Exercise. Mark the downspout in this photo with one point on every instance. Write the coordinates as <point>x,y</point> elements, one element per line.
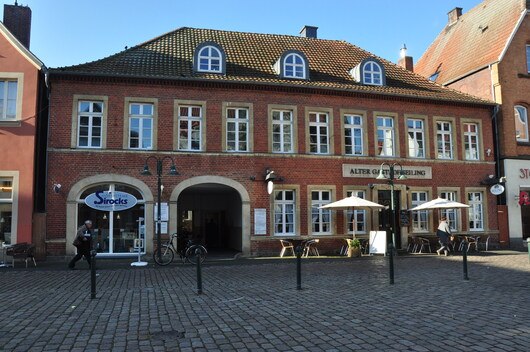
<point>498,167</point>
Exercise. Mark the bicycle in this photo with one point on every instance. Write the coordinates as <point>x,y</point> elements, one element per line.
<point>193,253</point>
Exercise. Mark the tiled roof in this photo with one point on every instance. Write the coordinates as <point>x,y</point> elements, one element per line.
<point>250,58</point>
<point>476,40</point>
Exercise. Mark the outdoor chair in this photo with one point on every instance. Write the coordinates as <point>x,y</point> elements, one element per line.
<point>285,246</point>
<point>424,243</point>
<point>311,248</point>
<point>22,250</point>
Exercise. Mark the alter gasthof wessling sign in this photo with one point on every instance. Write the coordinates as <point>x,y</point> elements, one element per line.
<point>371,171</point>
<point>110,201</point>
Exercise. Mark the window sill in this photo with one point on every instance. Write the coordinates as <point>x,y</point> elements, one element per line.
<point>15,123</point>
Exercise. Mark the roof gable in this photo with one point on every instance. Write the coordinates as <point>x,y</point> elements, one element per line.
<point>20,48</point>
<point>250,58</point>
<point>477,39</point>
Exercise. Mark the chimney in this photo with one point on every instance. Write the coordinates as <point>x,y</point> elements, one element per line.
<point>454,15</point>
<point>309,32</point>
<point>18,20</point>
<point>405,61</point>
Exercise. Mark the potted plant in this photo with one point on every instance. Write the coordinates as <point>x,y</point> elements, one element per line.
<point>354,248</point>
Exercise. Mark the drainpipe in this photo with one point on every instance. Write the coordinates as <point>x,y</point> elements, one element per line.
<point>498,166</point>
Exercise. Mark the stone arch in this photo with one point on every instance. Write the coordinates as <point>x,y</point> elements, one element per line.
<point>81,185</point>
<point>238,187</point>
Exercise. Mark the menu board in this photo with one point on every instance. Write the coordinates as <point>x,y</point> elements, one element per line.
<point>378,242</point>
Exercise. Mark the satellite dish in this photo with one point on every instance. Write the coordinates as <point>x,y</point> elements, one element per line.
<point>497,189</point>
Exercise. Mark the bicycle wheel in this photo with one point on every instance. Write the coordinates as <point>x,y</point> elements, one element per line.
<point>166,255</point>
<point>196,253</point>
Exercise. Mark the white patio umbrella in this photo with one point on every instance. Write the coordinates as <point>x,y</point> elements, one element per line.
<point>351,202</point>
<point>439,203</point>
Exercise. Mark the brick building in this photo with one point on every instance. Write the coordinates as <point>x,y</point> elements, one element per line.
<point>23,121</point>
<point>228,108</point>
<point>486,52</point>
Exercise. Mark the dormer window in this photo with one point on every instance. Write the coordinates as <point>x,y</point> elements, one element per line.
<point>209,57</point>
<point>292,64</point>
<point>369,71</point>
<point>372,73</point>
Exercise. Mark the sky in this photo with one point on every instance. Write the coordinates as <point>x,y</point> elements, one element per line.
<point>71,32</point>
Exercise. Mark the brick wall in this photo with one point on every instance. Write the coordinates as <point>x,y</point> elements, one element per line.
<point>67,166</point>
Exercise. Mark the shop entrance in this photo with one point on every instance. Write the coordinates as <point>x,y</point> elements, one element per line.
<point>210,214</point>
<point>385,215</point>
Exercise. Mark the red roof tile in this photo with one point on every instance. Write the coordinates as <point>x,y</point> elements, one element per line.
<point>476,40</point>
<point>250,58</point>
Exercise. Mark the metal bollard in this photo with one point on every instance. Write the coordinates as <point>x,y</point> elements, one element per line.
<point>528,246</point>
<point>299,267</point>
<point>93,274</point>
<point>464,259</point>
<point>198,253</point>
<point>391,263</point>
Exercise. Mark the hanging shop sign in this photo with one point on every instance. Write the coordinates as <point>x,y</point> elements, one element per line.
<point>110,201</point>
<point>497,189</point>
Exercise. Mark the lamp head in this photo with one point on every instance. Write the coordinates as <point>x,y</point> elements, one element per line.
<point>381,175</point>
<point>146,171</point>
<point>402,176</point>
<point>173,170</point>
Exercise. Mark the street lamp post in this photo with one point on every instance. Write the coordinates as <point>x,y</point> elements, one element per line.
<point>390,179</point>
<point>146,172</point>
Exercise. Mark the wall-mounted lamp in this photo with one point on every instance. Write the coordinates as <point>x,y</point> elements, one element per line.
<point>488,151</point>
<point>105,216</point>
<point>270,176</point>
<point>57,187</point>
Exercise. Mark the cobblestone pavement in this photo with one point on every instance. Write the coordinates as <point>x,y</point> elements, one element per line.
<point>253,305</point>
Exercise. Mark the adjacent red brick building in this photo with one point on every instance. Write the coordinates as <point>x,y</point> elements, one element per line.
<point>23,121</point>
<point>228,108</point>
<point>486,52</point>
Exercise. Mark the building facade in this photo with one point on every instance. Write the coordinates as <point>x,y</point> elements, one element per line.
<point>23,119</point>
<point>486,52</point>
<point>233,111</point>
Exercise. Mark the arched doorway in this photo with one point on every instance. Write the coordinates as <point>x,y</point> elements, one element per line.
<point>214,211</point>
<point>114,231</point>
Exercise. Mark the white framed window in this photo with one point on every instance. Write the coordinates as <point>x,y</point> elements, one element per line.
<point>320,218</point>
<point>6,210</point>
<point>189,127</point>
<point>90,117</point>
<point>420,219</point>
<point>471,141</point>
<point>237,125</point>
<point>521,123</point>
<point>353,134</point>
<point>140,126</point>
<point>451,214</point>
<point>284,212</point>
<point>356,219</point>
<point>318,133</point>
<point>210,59</point>
<point>444,139</point>
<point>282,131</point>
<point>385,136</point>
<point>8,100</point>
<point>294,66</point>
<point>416,138</point>
<point>372,73</point>
<point>475,201</point>
<point>528,58</point>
